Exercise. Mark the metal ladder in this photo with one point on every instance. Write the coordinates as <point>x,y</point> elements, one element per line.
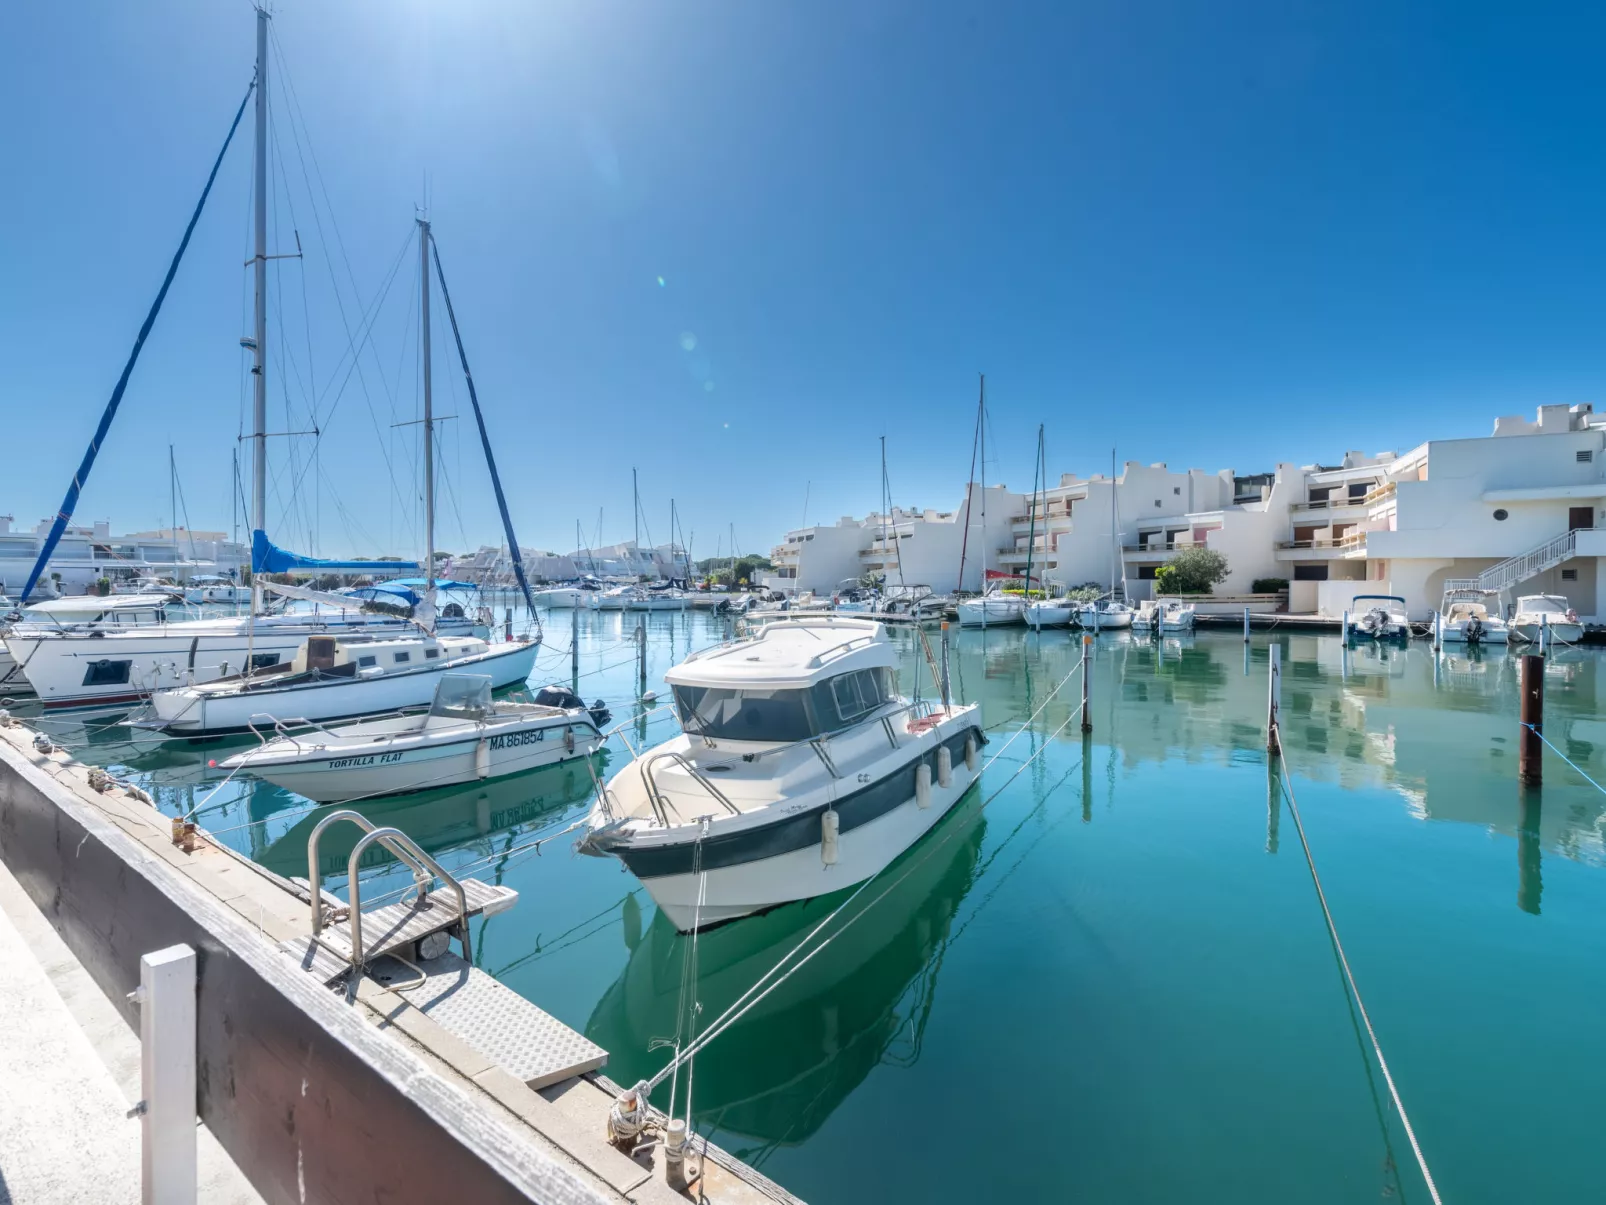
<point>425,870</point>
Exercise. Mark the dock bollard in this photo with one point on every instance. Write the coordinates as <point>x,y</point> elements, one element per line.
<point>1274,701</point>
<point>1530,748</point>
<point>166,1110</point>
<point>1087,650</point>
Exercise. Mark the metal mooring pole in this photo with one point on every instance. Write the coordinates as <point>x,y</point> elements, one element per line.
<point>945,666</point>
<point>1274,701</point>
<point>1530,747</point>
<point>166,1111</point>
<point>574,646</point>
<point>1087,658</point>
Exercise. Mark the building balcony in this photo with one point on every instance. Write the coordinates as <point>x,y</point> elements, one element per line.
<point>1018,556</point>
<point>1350,545</point>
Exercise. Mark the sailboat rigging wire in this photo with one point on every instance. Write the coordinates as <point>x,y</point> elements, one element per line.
<point>70,502</point>
<point>1286,782</point>
<point>758,991</point>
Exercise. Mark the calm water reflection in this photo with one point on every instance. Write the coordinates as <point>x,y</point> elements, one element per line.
<point>1113,983</point>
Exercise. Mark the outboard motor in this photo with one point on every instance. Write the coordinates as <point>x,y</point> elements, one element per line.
<point>1474,630</point>
<point>562,697</point>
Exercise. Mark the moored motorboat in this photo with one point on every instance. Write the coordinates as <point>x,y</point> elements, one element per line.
<point>992,609</point>
<point>1384,619</point>
<point>1051,612</point>
<point>1168,615</point>
<point>1467,618</point>
<point>466,736</point>
<point>799,771</point>
<point>1548,615</point>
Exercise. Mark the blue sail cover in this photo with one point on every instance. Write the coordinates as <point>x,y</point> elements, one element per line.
<point>70,503</point>
<point>268,558</point>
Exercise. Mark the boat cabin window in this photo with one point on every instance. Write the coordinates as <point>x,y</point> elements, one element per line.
<point>365,662</point>
<point>401,657</point>
<point>431,654</point>
<point>107,673</point>
<point>720,713</point>
<point>848,698</point>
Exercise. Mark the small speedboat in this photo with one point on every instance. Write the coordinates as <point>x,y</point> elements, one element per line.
<point>799,771</point>
<point>1549,612</point>
<point>1167,616</point>
<point>336,678</point>
<point>991,609</point>
<point>1105,614</point>
<point>1051,612</point>
<point>466,736</point>
<point>1465,617</point>
<point>1385,619</point>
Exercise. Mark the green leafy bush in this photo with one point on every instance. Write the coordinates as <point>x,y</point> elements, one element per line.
<point>1191,571</point>
<point>1269,585</point>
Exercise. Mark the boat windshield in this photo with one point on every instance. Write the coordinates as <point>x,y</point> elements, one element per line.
<point>1546,604</point>
<point>720,713</point>
<point>462,697</point>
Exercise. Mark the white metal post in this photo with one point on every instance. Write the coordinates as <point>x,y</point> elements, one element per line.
<point>1246,625</point>
<point>1274,701</point>
<point>166,999</point>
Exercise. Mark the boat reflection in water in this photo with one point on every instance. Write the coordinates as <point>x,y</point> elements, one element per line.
<point>777,1074</point>
<point>472,819</point>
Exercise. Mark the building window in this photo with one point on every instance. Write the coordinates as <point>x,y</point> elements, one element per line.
<point>1360,489</point>
<point>1500,516</point>
<point>1585,456</point>
<point>1146,572</point>
<point>1569,575</point>
<point>1157,502</point>
<point>1177,490</point>
<point>1310,573</point>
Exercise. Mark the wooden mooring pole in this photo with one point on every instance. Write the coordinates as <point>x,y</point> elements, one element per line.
<point>1530,747</point>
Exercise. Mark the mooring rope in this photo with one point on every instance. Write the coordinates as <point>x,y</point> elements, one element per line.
<point>1349,975</point>
<point>1576,768</point>
<point>759,990</point>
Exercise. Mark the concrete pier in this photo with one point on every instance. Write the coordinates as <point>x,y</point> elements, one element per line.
<point>317,1094</point>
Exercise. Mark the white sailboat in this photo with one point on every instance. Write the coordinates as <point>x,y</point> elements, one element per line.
<point>333,678</point>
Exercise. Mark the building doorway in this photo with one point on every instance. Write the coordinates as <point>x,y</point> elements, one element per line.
<point>1580,518</point>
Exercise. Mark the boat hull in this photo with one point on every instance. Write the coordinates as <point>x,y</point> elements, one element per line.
<point>401,771</point>
<point>1456,633</point>
<point>989,612</point>
<point>1104,621</point>
<point>1050,617</point>
<point>743,878</point>
<point>191,713</point>
<point>1566,631</point>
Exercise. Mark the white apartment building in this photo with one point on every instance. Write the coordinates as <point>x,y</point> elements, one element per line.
<point>1520,511</point>
<point>818,559</point>
<point>626,560</point>
<point>87,553</point>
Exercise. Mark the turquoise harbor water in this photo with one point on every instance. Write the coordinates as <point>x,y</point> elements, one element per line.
<point>1113,982</point>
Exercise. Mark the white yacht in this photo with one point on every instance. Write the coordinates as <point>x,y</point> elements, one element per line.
<point>1466,617</point>
<point>337,677</point>
<point>1168,615</point>
<point>1105,614</point>
<point>648,599</point>
<point>85,613</point>
<point>616,599</point>
<point>1385,619</point>
<point>1548,611</point>
<point>992,609</point>
<point>799,771</point>
<point>212,590</point>
<point>1052,612</point>
<point>466,736</point>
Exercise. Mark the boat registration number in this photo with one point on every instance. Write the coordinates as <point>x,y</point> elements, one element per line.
<point>512,740</point>
<point>371,759</point>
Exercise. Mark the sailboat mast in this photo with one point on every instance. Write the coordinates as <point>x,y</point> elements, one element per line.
<point>964,536</point>
<point>259,332</point>
<point>429,413</point>
<point>172,498</point>
<point>635,510</point>
<point>1115,537</point>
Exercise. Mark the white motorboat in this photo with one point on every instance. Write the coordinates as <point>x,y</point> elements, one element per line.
<point>1549,612</point>
<point>1384,619</point>
<point>800,771</point>
<point>656,600</point>
<point>561,598</point>
<point>616,599</point>
<point>466,736</point>
<point>1104,615</point>
<point>991,610</point>
<point>337,677</point>
<point>1466,617</point>
<point>84,612</point>
<point>1052,612</point>
<point>1168,615</point>
<point>213,590</point>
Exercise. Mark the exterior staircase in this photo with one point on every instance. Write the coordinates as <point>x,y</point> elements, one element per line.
<point>1520,568</point>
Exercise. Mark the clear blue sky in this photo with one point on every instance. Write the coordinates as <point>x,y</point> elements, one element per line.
<point>1215,234</point>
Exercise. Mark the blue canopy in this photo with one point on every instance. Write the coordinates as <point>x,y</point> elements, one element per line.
<point>268,558</point>
<point>418,583</point>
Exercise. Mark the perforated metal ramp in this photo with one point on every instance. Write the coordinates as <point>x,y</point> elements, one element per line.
<point>498,1022</point>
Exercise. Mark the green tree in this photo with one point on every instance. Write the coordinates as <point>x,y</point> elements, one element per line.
<point>1191,571</point>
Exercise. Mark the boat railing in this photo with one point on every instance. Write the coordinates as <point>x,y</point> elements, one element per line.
<point>425,870</point>
<point>660,802</point>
